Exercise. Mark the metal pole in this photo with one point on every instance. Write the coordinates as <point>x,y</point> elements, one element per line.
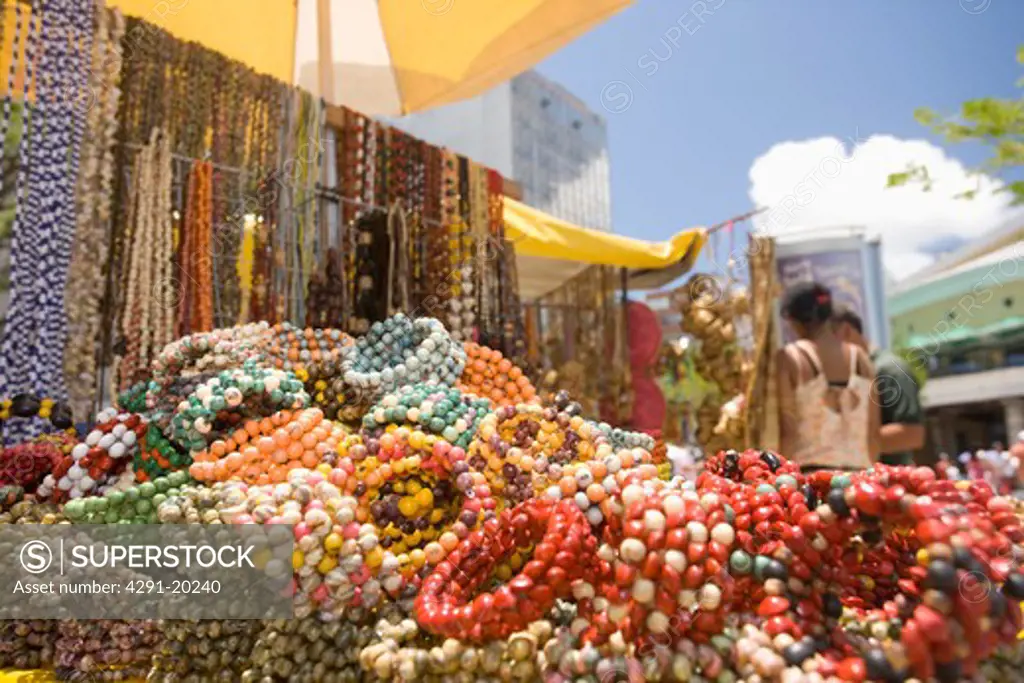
<point>325,61</point>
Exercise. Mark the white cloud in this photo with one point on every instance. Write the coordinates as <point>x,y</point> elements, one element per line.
<point>826,182</point>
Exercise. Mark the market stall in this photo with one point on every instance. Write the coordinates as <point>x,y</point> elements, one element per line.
<point>720,373</point>
<point>308,326</point>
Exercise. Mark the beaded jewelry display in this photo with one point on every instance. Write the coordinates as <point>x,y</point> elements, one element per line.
<point>480,318</point>
<point>195,254</point>
<point>86,282</point>
<point>150,291</point>
<point>310,650</point>
<point>133,505</point>
<point>133,399</point>
<point>402,656</point>
<point>458,273</point>
<point>371,262</point>
<point>324,383</point>
<point>161,405</point>
<point>59,159</point>
<point>158,456</point>
<point>25,465</point>
<point>624,438</point>
<point>207,352</point>
<point>291,348</point>
<point>220,402</point>
<point>419,492</point>
<point>436,409</point>
<point>490,375</point>
<point>401,350</point>
<point>205,649</point>
<point>264,451</point>
<point>28,645</point>
<point>17,374</point>
<point>532,439</point>
<point>565,552</point>
<point>325,300</point>
<point>100,458</point>
<point>331,574</point>
<point>104,649</point>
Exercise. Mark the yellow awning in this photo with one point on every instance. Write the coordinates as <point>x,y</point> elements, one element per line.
<point>389,57</point>
<point>550,251</point>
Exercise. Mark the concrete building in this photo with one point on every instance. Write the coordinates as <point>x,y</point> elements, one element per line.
<point>535,132</point>
<point>963,319</point>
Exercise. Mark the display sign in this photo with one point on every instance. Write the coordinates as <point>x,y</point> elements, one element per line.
<point>841,271</point>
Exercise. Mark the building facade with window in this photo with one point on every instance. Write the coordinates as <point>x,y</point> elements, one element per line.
<point>963,321</point>
<point>533,131</point>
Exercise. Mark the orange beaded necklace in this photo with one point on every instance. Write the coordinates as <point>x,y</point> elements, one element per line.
<point>195,301</point>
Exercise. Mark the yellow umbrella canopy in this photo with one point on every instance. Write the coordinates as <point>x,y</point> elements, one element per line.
<point>399,56</point>
<point>381,57</point>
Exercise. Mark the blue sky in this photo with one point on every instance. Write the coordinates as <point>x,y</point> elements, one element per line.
<point>708,95</point>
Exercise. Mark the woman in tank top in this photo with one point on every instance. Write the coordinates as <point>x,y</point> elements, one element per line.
<point>829,414</point>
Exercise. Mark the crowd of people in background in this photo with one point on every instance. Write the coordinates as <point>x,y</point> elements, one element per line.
<point>1001,467</point>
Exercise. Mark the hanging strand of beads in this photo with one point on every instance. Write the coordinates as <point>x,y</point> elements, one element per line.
<point>151,287</point>
<point>47,191</point>
<point>74,63</point>
<point>307,162</point>
<point>495,245</point>
<point>480,224</point>
<point>138,274</point>
<point>447,259</point>
<point>195,299</point>
<point>84,291</point>
<point>16,331</point>
<point>415,192</point>
<point>35,328</point>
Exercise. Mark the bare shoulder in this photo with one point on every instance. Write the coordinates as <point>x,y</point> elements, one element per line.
<point>784,363</point>
<point>864,365</point>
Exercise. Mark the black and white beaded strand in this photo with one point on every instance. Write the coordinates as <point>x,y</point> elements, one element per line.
<point>72,102</point>
<point>50,150</point>
<point>16,371</point>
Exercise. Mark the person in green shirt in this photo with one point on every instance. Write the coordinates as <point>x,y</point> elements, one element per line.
<point>902,430</point>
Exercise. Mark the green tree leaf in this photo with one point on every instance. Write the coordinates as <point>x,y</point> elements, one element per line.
<point>992,121</point>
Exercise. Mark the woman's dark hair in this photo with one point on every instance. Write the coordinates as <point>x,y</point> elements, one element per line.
<point>808,303</point>
<point>845,314</point>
